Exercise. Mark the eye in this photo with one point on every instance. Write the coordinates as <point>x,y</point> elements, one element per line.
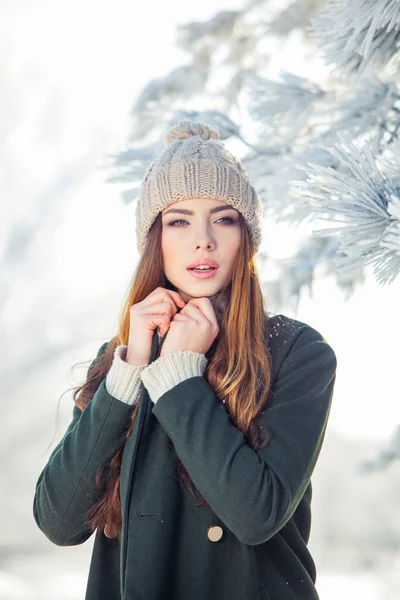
<point>229,219</point>
<point>178,221</point>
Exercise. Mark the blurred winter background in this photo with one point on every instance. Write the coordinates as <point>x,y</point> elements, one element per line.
<point>307,94</point>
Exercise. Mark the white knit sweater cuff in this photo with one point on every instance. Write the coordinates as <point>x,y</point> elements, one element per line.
<point>167,371</point>
<point>123,380</point>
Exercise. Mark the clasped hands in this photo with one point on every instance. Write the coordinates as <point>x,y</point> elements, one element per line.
<point>194,328</point>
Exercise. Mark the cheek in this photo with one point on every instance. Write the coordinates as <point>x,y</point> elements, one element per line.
<point>165,242</point>
<point>169,250</point>
<point>232,248</point>
<point>234,243</point>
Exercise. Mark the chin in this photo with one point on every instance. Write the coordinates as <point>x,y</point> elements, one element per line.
<point>197,288</point>
<point>200,291</point>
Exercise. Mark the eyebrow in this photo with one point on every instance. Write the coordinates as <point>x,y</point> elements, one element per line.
<point>184,211</point>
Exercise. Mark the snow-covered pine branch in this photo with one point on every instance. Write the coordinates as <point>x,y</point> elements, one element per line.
<point>356,35</point>
<point>282,108</point>
<point>314,259</point>
<point>361,196</point>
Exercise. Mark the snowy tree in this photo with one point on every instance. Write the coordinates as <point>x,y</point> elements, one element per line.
<point>315,149</point>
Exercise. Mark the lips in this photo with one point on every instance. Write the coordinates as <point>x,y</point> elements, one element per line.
<point>203,261</point>
<point>202,273</point>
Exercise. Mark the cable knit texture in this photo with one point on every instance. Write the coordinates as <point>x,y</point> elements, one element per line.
<point>167,371</point>
<point>123,379</point>
<point>196,164</point>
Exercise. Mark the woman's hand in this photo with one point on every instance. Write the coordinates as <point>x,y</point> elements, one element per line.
<point>194,328</point>
<point>156,310</point>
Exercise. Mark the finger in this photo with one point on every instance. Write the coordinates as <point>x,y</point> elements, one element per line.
<point>205,307</point>
<point>175,296</point>
<point>192,311</point>
<point>162,308</point>
<point>178,298</point>
<point>162,314</point>
<point>181,317</point>
<point>160,298</point>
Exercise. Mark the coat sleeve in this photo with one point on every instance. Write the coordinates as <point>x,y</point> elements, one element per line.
<point>255,492</point>
<point>66,487</point>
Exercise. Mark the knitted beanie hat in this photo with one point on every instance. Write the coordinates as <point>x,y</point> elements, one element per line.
<point>195,164</point>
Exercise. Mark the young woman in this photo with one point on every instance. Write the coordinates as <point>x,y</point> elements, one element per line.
<point>195,435</point>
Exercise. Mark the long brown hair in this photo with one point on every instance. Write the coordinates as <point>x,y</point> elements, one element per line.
<point>238,368</point>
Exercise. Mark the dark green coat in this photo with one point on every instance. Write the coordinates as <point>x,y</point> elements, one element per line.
<point>260,500</point>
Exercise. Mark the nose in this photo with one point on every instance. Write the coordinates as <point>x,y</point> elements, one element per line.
<point>204,238</point>
<point>204,244</point>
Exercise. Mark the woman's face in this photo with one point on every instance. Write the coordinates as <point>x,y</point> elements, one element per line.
<point>194,229</point>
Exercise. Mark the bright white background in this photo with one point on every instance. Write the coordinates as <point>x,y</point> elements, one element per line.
<point>69,74</point>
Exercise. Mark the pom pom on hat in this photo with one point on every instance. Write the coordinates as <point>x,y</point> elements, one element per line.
<point>186,129</point>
